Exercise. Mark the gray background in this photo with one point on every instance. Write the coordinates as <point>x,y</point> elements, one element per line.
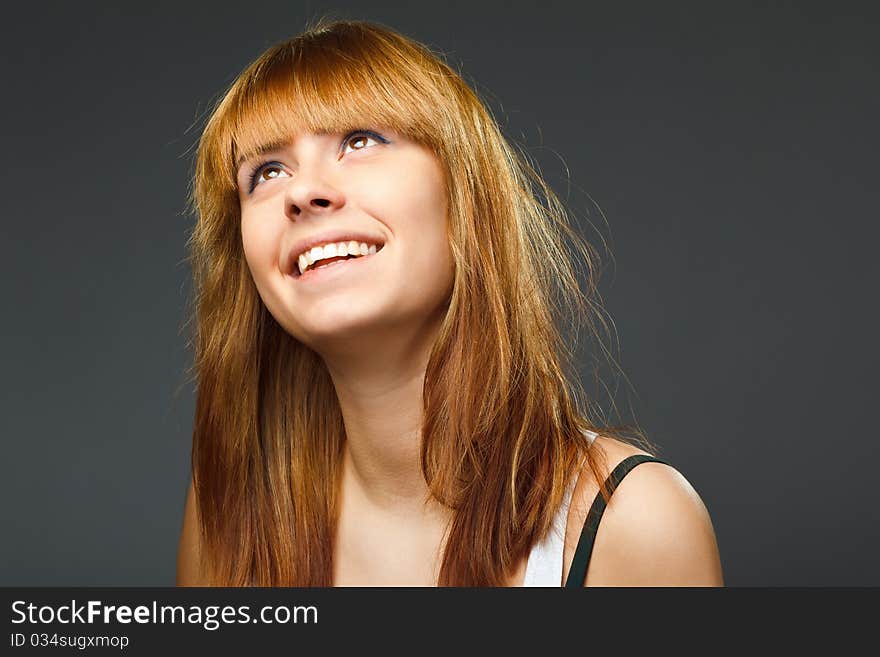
<point>731,147</point>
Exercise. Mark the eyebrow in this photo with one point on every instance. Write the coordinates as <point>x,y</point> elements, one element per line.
<point>264,148</point>
<point>276,145</point>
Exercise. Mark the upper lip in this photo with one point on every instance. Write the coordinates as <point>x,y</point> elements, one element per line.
<point>326,237</point>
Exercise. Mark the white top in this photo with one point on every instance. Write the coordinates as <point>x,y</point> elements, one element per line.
<point>544,567</point>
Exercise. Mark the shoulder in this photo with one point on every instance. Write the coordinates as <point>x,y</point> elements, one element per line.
<point>655,530</point>
<point>188,551</point>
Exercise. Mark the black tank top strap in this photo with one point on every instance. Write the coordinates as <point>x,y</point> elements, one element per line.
<point>578,571</point>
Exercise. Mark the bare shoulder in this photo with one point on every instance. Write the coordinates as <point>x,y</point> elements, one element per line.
<point>655,530</point>
<point>188,552</point>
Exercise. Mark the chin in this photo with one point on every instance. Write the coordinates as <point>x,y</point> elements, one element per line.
<point>337,326</point>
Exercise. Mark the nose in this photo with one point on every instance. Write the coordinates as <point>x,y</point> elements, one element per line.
<point>311,194</point>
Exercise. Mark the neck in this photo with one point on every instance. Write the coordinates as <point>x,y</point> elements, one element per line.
<point>379,387</point>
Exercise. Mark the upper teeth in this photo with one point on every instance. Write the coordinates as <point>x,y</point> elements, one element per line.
<point>316,253</point>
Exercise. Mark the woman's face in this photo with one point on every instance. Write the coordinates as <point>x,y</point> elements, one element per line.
<point>378,186</point>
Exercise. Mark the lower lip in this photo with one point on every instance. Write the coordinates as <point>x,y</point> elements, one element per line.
<point>335,270</point>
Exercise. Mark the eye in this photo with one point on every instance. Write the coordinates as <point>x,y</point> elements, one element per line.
<point>359,140</point>
<point>356,140</point>
<point>268,169</point>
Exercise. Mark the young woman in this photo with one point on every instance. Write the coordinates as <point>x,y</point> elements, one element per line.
<point>382,387</point>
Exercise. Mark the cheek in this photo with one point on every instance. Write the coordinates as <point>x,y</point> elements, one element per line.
<point>259,241</point>
<point>422,226</point>
<point>428,211</point>
<point>414,198</point>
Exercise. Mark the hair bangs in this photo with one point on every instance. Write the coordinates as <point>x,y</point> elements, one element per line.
<point>309,87</point>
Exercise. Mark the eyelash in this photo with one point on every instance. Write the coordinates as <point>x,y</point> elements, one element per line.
<point>258,168</point>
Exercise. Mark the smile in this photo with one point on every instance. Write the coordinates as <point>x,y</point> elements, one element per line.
<point>335,269</point>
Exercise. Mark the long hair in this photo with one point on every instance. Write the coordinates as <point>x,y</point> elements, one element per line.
<point>505,421</point>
